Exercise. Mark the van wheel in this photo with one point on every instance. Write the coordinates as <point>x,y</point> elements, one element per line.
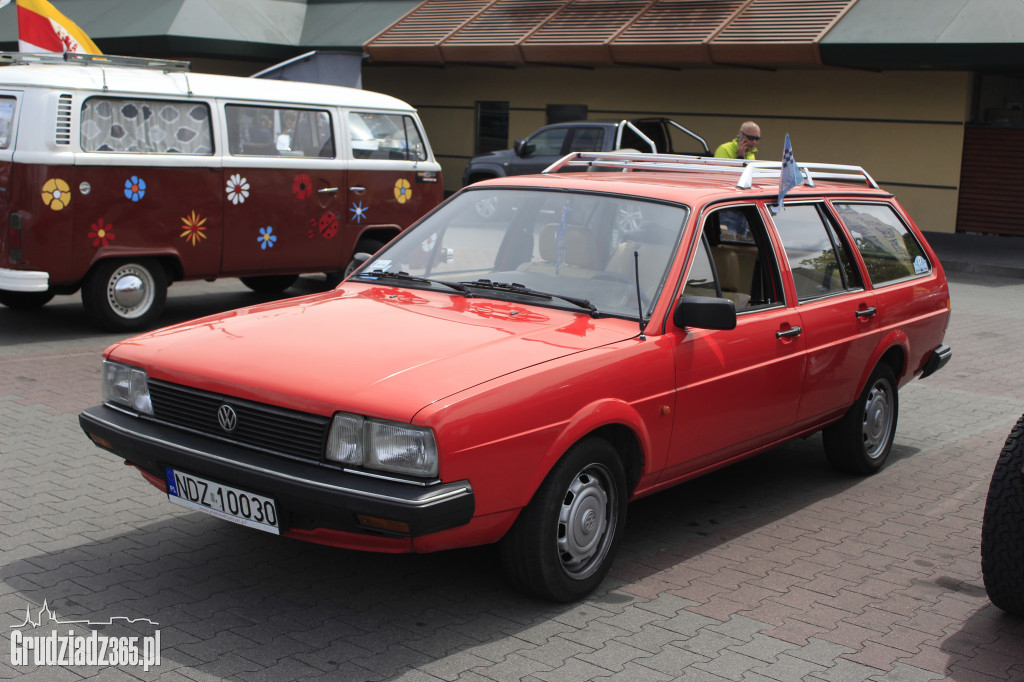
<point>1002,530</point>
<point>269,284</point>
<point>25,300</point>
<point>370,246</point>
<point>563,543</point>
<point>860,442</point>
<point>124,295</point>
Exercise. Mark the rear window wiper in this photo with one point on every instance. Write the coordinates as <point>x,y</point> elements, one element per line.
<point>402,276</point>
<point>519,289</point>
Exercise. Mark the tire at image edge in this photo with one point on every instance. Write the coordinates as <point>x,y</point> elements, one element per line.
<point>1002,529</point>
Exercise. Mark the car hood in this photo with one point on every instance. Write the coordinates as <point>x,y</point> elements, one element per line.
<point>375,350</point>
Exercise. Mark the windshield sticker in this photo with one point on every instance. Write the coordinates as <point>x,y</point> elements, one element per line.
<point>194,228</point>
<point>135,188</point>
<point>56,193</point>
<point>384,265</point>
<point>920,265</point>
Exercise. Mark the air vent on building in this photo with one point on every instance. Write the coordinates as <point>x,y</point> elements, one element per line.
<point>64,120</point>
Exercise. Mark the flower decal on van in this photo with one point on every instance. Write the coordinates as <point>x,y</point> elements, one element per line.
<point>237,189</point>
<point>302,186</point>
<point>101,234</point>
<point>56,193</point>
<point>267,238</point>
<point>135,188</point>
<point>195,228</point>
<point>403,190</point>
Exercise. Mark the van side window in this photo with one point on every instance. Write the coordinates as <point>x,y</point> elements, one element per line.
<point>385,136</point>
<point>819,261</point>
<point>144,126</point>
<point>890,251</point>
<point>278,131</point>
<point>6,120</point>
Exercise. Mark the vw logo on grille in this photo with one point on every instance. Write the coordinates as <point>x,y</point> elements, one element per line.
<point>227,418</point>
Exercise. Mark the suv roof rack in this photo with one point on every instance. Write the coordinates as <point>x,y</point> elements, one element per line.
<point>8,58</point>
<point>746,170</point>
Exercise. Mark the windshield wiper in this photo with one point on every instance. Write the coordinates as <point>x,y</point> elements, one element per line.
<point>403,276</point>
<point>522,290</point>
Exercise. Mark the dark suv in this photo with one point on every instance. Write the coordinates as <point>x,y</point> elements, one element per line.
<point>552,142</point>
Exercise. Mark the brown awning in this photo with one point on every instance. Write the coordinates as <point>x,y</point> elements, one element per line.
<point>593,32</point>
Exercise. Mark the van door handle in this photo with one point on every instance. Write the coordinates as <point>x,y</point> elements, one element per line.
<point>357,190</point>
<point>327,190</point>
<point>867,312</point>
<point>792,331</point>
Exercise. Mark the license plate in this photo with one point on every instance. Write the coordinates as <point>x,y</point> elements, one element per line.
<point>224,502</point>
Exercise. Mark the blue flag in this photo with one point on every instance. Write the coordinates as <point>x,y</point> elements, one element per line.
<point>790,175</point>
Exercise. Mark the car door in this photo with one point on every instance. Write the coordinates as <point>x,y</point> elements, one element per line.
<point>840,318</point>
<point>282,189</point>
<point>736,389</point>
<point>540,151</point>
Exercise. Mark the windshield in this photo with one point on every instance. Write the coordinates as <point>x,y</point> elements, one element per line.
<point>574,246</point>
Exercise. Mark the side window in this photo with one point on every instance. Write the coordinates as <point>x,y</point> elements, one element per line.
<point>587,140</point>
<point>890,251</point>
<point>140,126</point>
<point>278,131</point>
<point>547,142</point>
<point>817,258</point>
<point>739,264</point>
<point>7,105</point>
<point>385,136</point>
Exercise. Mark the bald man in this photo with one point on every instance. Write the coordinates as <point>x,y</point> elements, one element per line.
<point>744,146</point>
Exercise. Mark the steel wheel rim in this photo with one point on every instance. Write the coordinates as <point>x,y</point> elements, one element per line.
<point>878,419</point>
<point>130,291</point>
<point>587,519</point>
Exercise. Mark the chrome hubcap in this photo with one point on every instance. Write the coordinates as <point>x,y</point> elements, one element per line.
<point>878,414</point>
<point>130,291</point>
<point>586,522</point>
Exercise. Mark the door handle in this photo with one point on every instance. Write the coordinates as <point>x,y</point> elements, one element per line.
<point>357,190</point>
<point>867,312</point>
<point>786,333</point>
<point>327,190</point>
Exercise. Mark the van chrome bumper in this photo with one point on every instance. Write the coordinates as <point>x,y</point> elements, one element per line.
<point>24,280</point>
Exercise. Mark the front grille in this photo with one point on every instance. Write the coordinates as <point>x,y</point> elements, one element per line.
<point>264,427</point>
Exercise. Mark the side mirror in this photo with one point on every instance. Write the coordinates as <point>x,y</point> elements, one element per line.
<point>705,312</point>
<point>521,148</point>
<point>358,259</point>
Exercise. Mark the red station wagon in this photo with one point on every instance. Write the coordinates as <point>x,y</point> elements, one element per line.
<point>520,379</point>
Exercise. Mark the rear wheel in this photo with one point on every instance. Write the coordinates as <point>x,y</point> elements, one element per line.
<point>25,300</point>
<point>269,284</point>
<point>563,543</point>
<point>370,246</point>
<point>125,295</point>
<point>860,442</point>
<point>1002,530</point>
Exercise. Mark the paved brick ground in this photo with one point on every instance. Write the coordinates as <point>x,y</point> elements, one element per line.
<point>774,569</point>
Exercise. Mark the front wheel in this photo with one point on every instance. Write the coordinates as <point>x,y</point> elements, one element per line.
<point>124,295</point>
<point>860,442</point>
<point>370,246</point>
<point>269,284</point>
<point>25,300</point>
<point>563,543</point>
<point>1002,529</point>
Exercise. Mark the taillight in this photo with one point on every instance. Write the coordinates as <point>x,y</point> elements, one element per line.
<point>14,238</point>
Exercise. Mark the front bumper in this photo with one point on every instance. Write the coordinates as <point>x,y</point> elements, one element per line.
<point>309,496</point>
<point>24,280</point>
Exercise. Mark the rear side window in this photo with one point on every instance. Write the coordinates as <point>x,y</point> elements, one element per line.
<point>819,261</point>
<point>279,131</point>
<point>889,249</point>
<point>385,136</point>
<point>7,105</point>
<point>141,126</point>
<point>587,140</point>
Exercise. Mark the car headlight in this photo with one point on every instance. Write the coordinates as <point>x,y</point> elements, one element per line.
<point>381,445</point>
<point>126,386</point>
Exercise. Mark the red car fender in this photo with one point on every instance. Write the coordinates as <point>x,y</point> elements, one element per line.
<point>892,339</point>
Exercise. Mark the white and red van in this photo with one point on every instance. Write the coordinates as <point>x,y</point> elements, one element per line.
<point>119,176</point>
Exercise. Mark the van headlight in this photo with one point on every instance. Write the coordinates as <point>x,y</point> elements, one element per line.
<point>382,445</point>
<point>126,386</point>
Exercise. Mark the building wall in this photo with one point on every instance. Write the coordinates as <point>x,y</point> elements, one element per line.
<point>905,128</point>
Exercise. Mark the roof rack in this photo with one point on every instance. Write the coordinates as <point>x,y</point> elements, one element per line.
<point>9,58</point>
<point>746,170</point>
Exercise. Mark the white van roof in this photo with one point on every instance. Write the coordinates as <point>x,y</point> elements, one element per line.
<point>114,80</point>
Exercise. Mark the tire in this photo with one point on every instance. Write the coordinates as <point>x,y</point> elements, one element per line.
<point>563,543</point>
<point>269,284</point>
<point>370,246</point>
<point>1002,528</point>
<point>125,295</point>
<point>25,300</point>
<point>860,442</point>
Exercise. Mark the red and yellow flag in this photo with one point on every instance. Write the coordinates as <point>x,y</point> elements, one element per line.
<point>42,28</point>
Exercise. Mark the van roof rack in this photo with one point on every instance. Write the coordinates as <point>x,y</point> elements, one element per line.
<point>8,58</point>
<point>746,170</point>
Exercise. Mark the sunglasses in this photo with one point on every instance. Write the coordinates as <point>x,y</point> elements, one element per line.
<point>752,138</point>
